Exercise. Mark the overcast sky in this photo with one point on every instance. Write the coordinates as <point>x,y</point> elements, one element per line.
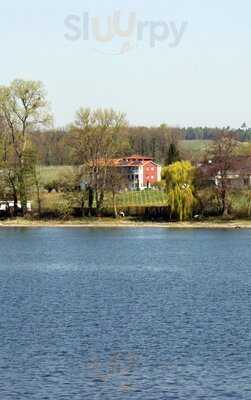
<point>184,62</point>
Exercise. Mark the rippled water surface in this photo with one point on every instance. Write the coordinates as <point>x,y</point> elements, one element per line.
<point>125,314</point>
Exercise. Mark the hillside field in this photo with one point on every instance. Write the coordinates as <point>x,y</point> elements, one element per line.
<point>195,147</point>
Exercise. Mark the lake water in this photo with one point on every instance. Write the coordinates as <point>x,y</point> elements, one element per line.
<point>125,314</point>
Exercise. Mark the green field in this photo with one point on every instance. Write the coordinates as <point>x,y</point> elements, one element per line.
<point>196,147</point>
<point>49,174</point>
<point>144,198</point>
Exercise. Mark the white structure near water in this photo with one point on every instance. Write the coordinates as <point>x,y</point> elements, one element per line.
<point>4,205</point>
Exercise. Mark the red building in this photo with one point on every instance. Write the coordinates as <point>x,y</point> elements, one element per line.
<point>142,172</point>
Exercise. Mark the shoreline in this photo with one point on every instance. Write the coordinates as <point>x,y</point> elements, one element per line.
<point>102,223</point>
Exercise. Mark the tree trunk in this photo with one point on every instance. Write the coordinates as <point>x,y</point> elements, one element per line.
<point>99,200</point>
<point>22,192</point>
<point>115,211</point>
<point>23,200</point>
<point>15,204</point>
<point>39,203</point>
<point>223,197</point>
<point>225,205</point>
<point>82,204</point>
<point>90,201</point>
<point>14,196</point>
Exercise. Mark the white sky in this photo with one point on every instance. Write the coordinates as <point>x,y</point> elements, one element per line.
<point>205,80</point>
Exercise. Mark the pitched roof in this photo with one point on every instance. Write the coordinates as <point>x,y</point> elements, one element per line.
<point>138,157</point>
<point>130,161</point>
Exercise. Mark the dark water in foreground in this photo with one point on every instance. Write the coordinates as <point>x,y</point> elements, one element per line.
<point>125,314</point>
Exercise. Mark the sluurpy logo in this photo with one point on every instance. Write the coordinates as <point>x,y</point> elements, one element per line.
<point>125,35</point>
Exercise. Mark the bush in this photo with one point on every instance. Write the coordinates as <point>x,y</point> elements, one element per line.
<point>64,208</point>
<point>240,204</point>
<point>208,203</point>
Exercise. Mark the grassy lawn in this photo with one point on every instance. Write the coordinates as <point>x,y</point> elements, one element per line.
<point>48,174</point>
<point>145,198</point>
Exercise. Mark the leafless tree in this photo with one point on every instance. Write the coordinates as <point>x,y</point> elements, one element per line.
<point>223,153</point>
<point>116,182</point>
<point>97,142</point>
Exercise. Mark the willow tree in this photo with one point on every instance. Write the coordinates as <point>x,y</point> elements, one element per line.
<point>96,140</point>
<point>23,109</point>
<point>180,190</point>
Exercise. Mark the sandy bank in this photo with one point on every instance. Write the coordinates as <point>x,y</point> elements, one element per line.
<point>110,223</point>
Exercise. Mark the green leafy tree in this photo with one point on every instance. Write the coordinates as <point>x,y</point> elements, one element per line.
<point>179,187</point>
<point>23,109</point>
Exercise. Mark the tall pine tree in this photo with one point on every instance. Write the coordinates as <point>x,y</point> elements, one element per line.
<point>173,154</point>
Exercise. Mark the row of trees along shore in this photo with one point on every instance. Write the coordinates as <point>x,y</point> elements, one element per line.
<point>28,140</point>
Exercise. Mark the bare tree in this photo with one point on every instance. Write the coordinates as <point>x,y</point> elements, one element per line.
<point>96,142</point>
<point>223,152</point>
<point>116,182</point>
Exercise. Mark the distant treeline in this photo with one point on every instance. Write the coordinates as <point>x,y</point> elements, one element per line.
<point>243,135</point>
<point>55,146</point>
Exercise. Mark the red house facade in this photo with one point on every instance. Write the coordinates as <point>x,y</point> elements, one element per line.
<point>142,172</point>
